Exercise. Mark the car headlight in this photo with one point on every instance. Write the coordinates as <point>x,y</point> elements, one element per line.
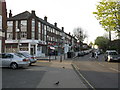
<point>109,57</point>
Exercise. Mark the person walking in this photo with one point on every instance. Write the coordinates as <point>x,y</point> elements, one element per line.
<point>96,55</point>
<point>93,54</point>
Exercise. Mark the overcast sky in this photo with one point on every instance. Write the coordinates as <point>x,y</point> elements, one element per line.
<point>69,14</point>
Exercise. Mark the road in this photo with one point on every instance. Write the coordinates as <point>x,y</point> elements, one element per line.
<point>23,77</point>
<point>97,72</point>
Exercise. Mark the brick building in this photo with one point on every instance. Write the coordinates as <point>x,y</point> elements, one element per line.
<point>3,24</point>
<point>28,33</point>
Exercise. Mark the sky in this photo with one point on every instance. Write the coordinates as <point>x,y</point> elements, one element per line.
<point>69,14</point>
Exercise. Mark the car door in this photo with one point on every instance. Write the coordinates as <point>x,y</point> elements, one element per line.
<point>6,60</point>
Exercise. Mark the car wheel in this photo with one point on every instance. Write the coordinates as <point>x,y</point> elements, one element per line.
<point>14,65</point>
<point>30,64</point>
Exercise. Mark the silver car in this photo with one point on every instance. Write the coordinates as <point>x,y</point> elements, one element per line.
<point>27,55</point>
<point>13,60</point>
<point>112,55</point>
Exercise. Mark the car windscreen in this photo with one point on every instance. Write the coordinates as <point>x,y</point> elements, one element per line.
<point>113,53</point>
<point>26,55</point>
<point>19,55</point>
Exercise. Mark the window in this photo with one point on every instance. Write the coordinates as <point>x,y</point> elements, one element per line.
<point>9,35</point>
<point>7,56</point>
<point>23,35</point>
<point>9,29</point>
<point>42,32</point>
<point>45,32</point>
<point>33,28</point>
<point>39,30</point>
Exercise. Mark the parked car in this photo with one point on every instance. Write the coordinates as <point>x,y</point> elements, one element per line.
<point>27,55</point>
<point>13,60</point>
<point>112,55</point>
<point>81,53</point>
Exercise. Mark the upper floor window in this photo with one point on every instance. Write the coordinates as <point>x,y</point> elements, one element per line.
<point>10,26</point>
<point>24,25</point>
<point>9,29</point>
<point>39,30</point>
<point>33,28</point>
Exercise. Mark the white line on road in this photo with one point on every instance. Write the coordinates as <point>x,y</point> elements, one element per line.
<point>114,69</point>
<point>101,64</point>
<point>83,77</point>
<point>109,68</point>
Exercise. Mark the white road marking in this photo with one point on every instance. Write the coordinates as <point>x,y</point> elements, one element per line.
<point>110,68</point>
<point>114,69</point>
<point>84,77</point>
<point>101,64</point>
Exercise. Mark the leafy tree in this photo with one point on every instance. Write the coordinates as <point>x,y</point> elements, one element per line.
<point>108,15</point>
<point>102,42</point>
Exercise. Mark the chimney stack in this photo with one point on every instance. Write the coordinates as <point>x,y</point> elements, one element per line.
<point>45,18</point>
<point>10,14</point>
<point>69,33</point>
<point>63,29</point>
<point>55,24</point>
<point>33,12</point>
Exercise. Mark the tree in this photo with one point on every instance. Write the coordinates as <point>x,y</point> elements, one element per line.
<point>102,42</point>
<point>108,15</point>
<point>80,35</point>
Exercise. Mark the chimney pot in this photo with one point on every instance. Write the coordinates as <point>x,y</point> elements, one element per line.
<point>10,14</point>
<point>55,24</point>
<point>45,18</point>
<point>33,12</point>
<point>62,28</point>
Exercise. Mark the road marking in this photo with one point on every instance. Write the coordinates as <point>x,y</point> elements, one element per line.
<point>83,77</point>
<point>114,69</point>
<point>101,64</point>
<point>109,68</point>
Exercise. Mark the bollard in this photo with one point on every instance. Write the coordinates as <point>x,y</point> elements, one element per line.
<point>61,58</point>
<point>49,59</point>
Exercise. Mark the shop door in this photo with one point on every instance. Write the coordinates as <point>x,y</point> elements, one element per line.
<point>32,49</point>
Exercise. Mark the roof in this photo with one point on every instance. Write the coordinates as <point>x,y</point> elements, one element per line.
<point>24,15</point>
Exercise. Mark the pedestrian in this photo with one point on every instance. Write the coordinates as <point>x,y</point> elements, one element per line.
<point>96,55</point>
<point>93,54</point>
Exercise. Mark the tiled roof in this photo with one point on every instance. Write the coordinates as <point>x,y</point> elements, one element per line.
<point>24,15</point>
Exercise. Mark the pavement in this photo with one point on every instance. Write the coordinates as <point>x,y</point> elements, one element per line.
<point>60,72</point>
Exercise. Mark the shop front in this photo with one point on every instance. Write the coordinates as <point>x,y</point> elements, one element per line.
<point>31,47</point>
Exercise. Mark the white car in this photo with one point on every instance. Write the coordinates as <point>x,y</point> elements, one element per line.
<point>13,60</point>
<point>112,55</point>
<point>27,55</point>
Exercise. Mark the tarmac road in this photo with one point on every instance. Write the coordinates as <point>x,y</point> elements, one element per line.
<point>97,72</point>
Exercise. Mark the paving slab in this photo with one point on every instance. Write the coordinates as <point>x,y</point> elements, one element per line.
<point>62,72</point>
